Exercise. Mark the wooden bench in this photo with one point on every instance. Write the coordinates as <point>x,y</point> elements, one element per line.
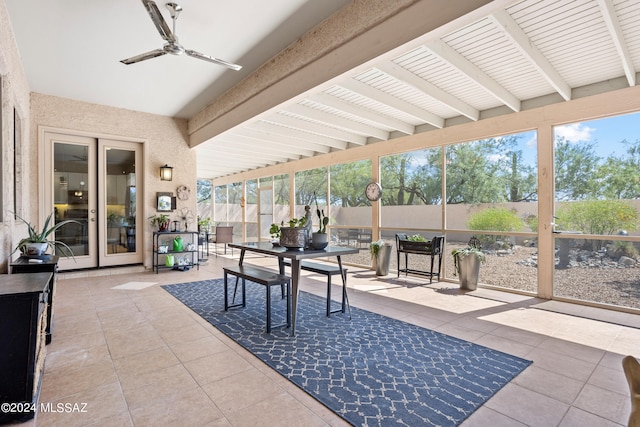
<point>263,277</point>
<point>328,270</point>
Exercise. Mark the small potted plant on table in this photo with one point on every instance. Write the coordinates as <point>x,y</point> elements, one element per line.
<point>319,238</point>
<point>295,236</point>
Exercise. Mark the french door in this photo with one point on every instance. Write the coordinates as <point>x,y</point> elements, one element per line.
<point>94,181</point>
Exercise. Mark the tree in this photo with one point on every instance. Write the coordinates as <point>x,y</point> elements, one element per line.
<point>310,182</point>
<point>619,177</point>
<point>412,178</point>
<point>575,166</point>
<point>348,181</point>
<point>471,176</point>
<point>203,190</point>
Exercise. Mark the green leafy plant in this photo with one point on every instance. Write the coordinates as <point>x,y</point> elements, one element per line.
<point>598,216</point>
<point>275,231</point>
<point>604,217</point>
<point>204,222</point>
<point>298,222</point>
<point>473,249</point>
<point>42,236</point>
<point>374,247</point>
<point>161,220</point>
<point>417,238</point>
<point>494,219</point>
<point>324,221</point>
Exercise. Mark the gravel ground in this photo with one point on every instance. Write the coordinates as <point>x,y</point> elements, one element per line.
<point>600,283</point>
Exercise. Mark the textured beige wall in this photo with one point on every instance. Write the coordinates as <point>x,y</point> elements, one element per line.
<point>14,94</point>
<point>163,138</point>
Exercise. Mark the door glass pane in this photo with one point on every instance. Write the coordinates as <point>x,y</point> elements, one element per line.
<point>71,195</point>
<point>266,211</point>
<point>120,197</point>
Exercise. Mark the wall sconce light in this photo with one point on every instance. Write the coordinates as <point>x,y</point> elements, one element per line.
<point>166,173</point>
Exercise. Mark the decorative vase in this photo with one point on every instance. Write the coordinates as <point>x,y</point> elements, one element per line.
<point>319,240</point>
<point>293,238</point>
<point>469,270</point>
<point>35,248</point>
<point>382,260</point>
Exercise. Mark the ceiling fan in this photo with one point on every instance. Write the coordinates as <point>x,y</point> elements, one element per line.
<point>172,46</point>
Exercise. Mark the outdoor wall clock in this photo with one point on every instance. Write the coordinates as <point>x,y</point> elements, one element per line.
<point>183,192</point>
<point>373,191</point>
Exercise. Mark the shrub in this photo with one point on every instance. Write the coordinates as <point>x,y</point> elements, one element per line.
<point>604,217</point>
<point>600,217</point>
<point>494,219</point>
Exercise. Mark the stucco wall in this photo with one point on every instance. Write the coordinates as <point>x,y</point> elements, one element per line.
<point>164,140</point>
<point>14,95</point>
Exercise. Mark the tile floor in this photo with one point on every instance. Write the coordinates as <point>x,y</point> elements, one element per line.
<point>136,356</point>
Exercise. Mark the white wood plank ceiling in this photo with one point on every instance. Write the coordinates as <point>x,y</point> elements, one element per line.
<point>532,49</point>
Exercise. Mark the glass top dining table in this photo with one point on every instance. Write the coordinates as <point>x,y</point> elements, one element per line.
<point>295,257</point>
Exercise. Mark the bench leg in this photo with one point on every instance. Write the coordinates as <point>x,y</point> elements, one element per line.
<point>235,290</point>
<point>227,306</point>
<point>344,292</point>
<point>226,303</point>
<point>268,309</point>
<point>288,304</point>
<point>328,295</point>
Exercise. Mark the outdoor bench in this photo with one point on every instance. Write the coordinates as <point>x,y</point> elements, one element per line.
<point>261,276</point>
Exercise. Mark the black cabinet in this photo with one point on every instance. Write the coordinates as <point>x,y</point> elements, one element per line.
<point>23,309</point>
<point>27,265</point>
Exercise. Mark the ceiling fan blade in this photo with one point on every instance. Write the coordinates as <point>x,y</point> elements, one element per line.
<point>158,20</point>
<point>204,57</point>
<point>143,56</point>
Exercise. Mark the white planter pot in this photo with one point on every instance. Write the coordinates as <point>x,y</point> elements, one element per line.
<point>35,249</point>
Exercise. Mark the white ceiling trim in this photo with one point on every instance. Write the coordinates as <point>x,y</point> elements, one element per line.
<point>531,50</point>
<point>611,20</point>
<point>520,40</point>
<point>449,55</point>
<point>407,77</point>
<point>373,117</point>
<point>380,97</point>
<point>294,137</point>
<point>332,120</point>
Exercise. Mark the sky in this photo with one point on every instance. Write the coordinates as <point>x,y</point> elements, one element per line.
<point>606,133</point>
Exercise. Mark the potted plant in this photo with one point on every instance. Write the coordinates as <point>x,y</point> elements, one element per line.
<point>161,220</point>
<point>295,236</point>
<point>38,241</point>
<point>319,238</point>
<point>380,256</point>
<point>204,224</point>
<point>413,244</point>
<point>466,264</point>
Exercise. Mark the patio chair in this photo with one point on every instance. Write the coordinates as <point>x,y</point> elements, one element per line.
<point>223,234</point>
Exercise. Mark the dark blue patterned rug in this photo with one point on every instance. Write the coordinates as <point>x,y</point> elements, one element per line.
<point>371,370</point>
